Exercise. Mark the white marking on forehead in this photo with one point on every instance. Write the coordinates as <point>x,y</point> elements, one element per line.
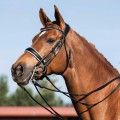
<point>43,32</point>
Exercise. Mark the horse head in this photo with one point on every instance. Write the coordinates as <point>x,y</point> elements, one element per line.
<point>42,53</point>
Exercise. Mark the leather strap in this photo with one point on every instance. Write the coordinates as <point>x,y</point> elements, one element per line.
<point>35,54</point>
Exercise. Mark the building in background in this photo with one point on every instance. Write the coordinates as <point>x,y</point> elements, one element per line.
<point>35,113</point>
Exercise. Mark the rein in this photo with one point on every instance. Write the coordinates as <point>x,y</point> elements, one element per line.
<point>43,62</point>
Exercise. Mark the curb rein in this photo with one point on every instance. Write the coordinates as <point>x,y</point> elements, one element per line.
<point>53,52</point>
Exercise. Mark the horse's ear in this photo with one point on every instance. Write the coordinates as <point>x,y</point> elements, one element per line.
<point>59,18</point>
<point>43,17</point>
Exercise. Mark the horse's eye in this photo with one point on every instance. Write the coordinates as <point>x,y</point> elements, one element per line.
<point>50,41</point>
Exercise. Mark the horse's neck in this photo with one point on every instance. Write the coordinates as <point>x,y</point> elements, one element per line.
<point>87,65</point>
<point>88,70</point>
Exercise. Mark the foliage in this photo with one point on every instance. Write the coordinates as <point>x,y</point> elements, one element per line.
<point>20,98</point>
<point>3,90</point>
<point>49,96</point>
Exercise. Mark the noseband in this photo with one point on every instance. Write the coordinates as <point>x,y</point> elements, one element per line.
<point>43,62</point>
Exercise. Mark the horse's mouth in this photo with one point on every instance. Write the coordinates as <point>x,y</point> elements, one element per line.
<point>23,75</point>
<point>23,83</point>
<point>26,80</point>
<point>23,80</point>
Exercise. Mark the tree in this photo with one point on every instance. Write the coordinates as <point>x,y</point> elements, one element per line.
<point>49,96</point>
<point>20,98</point>
<point>3,90</point>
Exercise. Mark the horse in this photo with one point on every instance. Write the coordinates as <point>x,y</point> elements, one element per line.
<point>60,50</point>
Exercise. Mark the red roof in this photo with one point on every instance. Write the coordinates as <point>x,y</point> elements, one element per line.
<point>36,111</point>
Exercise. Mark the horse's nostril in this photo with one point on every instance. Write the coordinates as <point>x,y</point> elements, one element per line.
<point>19,70</point>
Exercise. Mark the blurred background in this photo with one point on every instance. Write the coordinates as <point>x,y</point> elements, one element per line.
<point>97,21</point>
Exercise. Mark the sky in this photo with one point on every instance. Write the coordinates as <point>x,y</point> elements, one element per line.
<point>97,21</point>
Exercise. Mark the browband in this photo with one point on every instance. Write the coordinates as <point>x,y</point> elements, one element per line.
<point>65,32</point>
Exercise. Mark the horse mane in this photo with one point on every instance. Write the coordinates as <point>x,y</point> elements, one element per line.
<point>92,48</point>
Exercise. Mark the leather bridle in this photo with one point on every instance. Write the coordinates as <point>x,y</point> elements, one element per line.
<point>43,63</point>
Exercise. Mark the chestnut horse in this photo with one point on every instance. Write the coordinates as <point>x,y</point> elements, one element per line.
<point>82,66</point>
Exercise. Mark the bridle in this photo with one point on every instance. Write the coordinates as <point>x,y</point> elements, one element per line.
<point>43,62</point>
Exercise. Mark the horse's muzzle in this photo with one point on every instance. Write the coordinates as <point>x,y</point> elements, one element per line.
<point>18,73</point>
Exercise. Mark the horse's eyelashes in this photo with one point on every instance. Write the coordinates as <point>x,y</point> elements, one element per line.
<point>50,41</point>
